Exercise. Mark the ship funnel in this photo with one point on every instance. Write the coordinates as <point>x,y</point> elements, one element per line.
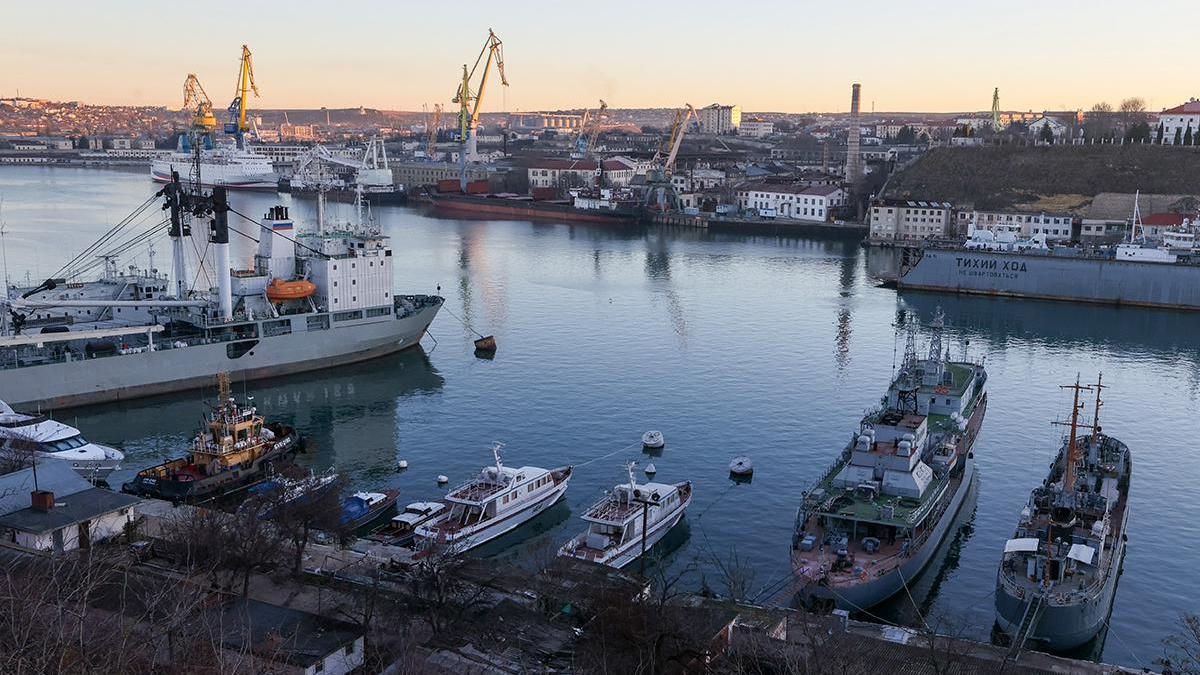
<point>220,241</point>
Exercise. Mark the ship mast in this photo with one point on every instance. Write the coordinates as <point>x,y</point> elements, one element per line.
<point>1072,450</point>
<point>1096,412</point>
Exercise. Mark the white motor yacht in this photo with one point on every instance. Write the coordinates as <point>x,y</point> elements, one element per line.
<point>26,438</point>
<point>615,534</point>
<point>496,501</point>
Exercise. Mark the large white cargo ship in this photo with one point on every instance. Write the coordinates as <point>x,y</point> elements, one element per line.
<point>320,298</point>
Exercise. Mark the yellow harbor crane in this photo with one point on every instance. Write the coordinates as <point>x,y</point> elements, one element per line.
<point>203,120</point>
<point>589,129</point>
<point>660,191</point>
<point>470,102</point>
<point>683,117</point>
<point>237,109</point>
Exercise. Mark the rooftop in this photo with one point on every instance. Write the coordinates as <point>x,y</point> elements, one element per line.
<point>68,510</point>
<point>282,633</point>
<point>1192,107</point>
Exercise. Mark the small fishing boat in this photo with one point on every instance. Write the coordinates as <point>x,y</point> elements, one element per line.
<point>26,438</point>
<point>401,530</point>
<point>653,440</point>
<point>362,508</point>
<point>629,521</point>
<point>496,501</point>
<point>236,447</point>
<point>281,491</point>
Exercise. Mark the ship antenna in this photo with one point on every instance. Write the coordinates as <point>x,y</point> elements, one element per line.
<point>4,245</point>
<point>497,446</point>
<point>1096,413</point>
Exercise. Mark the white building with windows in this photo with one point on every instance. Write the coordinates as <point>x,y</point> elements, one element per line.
<point>790,200</point>
<point>1180,118</point>
<point>756,128</point>
<point>1056,127</point>
<point>1056,226</point>
<point>910,219</point>
<point>721,120</point>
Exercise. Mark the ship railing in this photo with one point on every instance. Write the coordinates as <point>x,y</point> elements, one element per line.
<point>18,358</point>
<point>404,306</point>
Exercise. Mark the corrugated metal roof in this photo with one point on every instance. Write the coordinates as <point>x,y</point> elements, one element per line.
<point>55,476</point>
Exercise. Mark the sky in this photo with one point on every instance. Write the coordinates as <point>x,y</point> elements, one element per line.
<point>795,56</point>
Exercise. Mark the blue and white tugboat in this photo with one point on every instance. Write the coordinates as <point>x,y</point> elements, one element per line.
<point>873,521</point>
<point>1058,577</point>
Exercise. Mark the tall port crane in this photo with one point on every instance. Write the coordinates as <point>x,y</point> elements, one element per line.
<point>470,102</point>
<point>237,109</point>
<point>589,129</point>
<point>203,120</point>
<point>660,191</point>
<point>431,121</point>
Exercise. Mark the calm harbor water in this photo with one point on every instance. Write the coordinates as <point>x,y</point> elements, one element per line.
<point>767,346</point>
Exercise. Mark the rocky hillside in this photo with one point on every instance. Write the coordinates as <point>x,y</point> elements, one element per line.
<point>1057,177</point>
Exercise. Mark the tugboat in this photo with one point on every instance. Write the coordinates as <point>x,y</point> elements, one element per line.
<point>234,448</point>
<point>873,521</point>
<point>1058,576</point>
<point>494,502</point>
<point>629,521</point>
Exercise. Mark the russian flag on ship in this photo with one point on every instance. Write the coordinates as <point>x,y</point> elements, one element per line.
<point>281,225</point>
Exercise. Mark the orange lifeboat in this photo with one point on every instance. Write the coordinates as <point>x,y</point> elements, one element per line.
<point>279,290</point>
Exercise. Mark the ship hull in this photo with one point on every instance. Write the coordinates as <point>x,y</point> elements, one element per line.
<point>490,207</point>
<point>79,382</point>
<point>1051,277</point>
<point>864,596</point>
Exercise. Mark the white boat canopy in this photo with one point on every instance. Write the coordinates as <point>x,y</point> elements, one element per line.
<point>1082,552</point>
<point>1023,545</point>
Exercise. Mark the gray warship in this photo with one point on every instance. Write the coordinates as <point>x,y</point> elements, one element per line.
<point>317,295</point>
<point>1059,573</point>
<point>874,519</point>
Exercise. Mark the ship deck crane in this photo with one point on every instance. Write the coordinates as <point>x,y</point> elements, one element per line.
<point>237,109</point>
<point>470,102</point>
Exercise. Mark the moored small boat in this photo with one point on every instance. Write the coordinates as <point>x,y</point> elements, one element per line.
<point>362,508</point>
<point>401,530</point>
<point>628,521</point>
<point>496,501</point>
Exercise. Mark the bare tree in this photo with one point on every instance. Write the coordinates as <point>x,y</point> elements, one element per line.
<point>1181,651</point>
<point>304,507</point>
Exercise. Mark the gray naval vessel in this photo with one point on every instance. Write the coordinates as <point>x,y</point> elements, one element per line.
<point>874,519</point>
<point>1059,573</point>
<point>1163,272</point>
<point>317,295</point>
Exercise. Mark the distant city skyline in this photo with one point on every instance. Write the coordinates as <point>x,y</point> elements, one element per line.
<point>777,57</point>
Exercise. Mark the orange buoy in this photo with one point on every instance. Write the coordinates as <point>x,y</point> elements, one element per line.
<point>279,290</point>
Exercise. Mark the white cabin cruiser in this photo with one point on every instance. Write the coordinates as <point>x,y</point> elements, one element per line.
<point>496,501</point>
<point>616,523</point>
<point>25,438</point>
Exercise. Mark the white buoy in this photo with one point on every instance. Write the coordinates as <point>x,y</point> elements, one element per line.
<point>442,480</point>
<point>650,470</point>
<point>741,466</point>
<point>403,464</point>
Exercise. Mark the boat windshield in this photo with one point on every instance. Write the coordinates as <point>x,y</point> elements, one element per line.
<point>69,443</point>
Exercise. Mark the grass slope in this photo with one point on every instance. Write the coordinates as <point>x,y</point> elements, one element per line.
<point>1050,178</point>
